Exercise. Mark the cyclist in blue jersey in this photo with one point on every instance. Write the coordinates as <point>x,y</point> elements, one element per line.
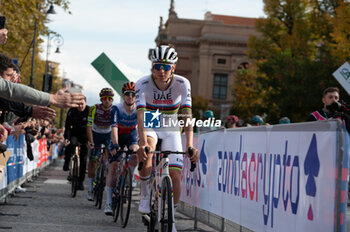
<point>98,132</point>
<point>124,134</point>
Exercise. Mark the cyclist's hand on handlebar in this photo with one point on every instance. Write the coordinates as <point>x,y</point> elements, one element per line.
<point>90,145</point>
<point>141,153</point>
<point>66,142</point>
<point>114,149</point>
<point>195,157</point>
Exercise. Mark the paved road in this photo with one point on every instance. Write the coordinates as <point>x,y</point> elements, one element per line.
<point>48,206</point>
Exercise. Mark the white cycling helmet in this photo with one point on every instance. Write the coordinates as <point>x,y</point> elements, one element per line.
<point>165,54</point>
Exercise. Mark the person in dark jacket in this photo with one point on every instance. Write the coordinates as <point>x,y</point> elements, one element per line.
<point>76,127</point>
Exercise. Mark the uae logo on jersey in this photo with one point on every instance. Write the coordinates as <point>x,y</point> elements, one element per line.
<point>151,119</point>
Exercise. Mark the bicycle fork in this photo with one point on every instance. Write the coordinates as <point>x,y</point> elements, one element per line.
<point>163,173</point>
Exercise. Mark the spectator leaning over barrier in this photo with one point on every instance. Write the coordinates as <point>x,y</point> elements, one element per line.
<point>7,71</point>
<point>22,93</point>
<point>232,121</point>
<point>257,120</point>
<point>26,94</point>
<point>75,126</point>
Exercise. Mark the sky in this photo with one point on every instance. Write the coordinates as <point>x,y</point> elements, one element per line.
<point>124,31</point>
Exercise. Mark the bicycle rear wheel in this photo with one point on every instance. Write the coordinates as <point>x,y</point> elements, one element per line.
<point>166,219</point>
<point>125,197</point>
<point>75,176</point>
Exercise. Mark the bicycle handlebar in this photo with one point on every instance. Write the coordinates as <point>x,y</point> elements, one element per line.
<point>166,153</point>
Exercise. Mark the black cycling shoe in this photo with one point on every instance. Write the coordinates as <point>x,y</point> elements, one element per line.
<point>66,166</point>
<point>69,177</point>
<point>80,186</point>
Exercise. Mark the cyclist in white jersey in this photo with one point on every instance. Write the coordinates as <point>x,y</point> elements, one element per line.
<point>170,94</point>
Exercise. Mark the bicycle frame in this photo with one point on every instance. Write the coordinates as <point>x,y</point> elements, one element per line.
<point>160,170</point>
<point>160,178</point>
<point>99,183</point>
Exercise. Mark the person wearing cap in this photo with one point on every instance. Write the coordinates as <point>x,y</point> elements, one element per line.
<point>231,121</point>
<point>257,120</point>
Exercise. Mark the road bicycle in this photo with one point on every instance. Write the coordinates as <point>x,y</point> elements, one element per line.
<point>161,217</point>
<point>100,177</point>
<point>122,193</point>
<point>75,166</point>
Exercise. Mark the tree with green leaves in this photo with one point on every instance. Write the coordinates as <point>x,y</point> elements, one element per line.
<point>21,17</point>
<point>294,58</point>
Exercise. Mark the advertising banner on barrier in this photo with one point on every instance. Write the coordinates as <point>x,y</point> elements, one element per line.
<point>3,161</point>
<point>20,156</point>
<point>11,163</point>
<point>276,178</point>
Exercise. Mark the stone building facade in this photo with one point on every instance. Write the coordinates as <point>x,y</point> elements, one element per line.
<point>210,51</point>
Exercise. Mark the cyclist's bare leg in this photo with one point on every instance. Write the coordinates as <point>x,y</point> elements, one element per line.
<point>112,174</point>
<point>91,168</point>
<point>145,174</point>
<point>91,175</point>
<point>110,181</point>
<point>133,158</point>
<point>176,180</point>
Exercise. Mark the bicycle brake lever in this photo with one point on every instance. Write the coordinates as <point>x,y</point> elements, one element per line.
<point>141,163</point>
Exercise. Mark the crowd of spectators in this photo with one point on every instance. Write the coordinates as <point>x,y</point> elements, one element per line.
<point>25,110</point>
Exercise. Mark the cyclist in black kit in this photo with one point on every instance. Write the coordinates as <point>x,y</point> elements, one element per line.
<point>76,127</point>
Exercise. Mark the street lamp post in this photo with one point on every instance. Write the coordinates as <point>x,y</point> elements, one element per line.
<point>50,11</point>
<point>58,41</point>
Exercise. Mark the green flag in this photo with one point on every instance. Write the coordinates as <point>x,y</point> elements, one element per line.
<point>110,72</point>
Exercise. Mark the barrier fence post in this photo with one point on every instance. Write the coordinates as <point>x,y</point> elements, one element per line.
<point>195,219</point>
<point>222,224</point>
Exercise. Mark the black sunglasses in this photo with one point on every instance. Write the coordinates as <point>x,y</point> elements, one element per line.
<point>128,94</point>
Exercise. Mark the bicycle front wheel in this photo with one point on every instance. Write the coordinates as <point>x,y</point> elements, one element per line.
<point>101,187</point>
<point>152,224</point>
<point>75,177</point>
<point>166,220</point>
<point>125,197</point>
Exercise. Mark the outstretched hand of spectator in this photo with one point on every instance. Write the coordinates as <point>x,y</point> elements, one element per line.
<point>63,99</point>
<point>42,112</point>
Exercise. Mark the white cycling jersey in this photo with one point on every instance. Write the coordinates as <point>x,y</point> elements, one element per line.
<point>171,101</point>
